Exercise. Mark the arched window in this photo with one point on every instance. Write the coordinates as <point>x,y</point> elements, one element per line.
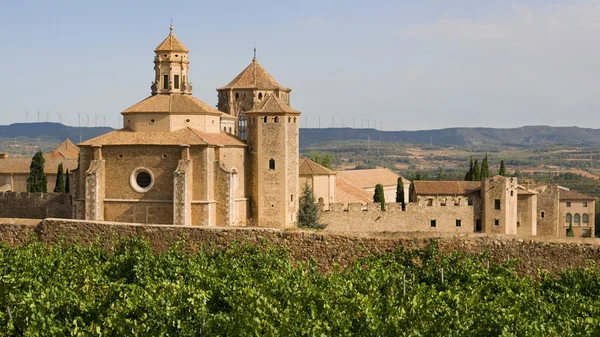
<point>230,129</point>
<point>289,119</point>
<point>276,119</point>
<point>568,218</point>
<point>225,128</point>
<point>260,95</point>
<point>271,164</point>
<point>294,119</point>
<point>585,218</point>
<point>242,125</point>
<point>576,218</point>
<point>266,119</point>
<point>237,96</point>
<point>321,201</point>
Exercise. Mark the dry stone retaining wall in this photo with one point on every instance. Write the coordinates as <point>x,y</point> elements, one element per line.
<point>552,254</point>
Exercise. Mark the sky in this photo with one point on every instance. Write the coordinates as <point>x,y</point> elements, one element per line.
<point>405,65</point>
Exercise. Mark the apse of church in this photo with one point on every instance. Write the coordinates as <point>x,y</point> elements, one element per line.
<point>177,160</point>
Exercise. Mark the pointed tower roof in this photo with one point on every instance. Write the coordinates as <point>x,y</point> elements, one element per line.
<point>171,43</point>
<point>272,104</point>
<point>66,149</point>
<point>254,76</point>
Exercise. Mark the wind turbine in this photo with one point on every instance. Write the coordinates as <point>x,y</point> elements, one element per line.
<point>26,115</point>
<point>88,120</point>
<point>47,115</point>
<point>59,117</point>
<point>38,115</point>
<point>104,119</point>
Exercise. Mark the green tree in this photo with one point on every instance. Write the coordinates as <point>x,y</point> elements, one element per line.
<point>400,192</point>
<point>476,171</point>
<point>502,170</point>
<point>60,180</point>
<point>570,231</point>
<point>308,212</point>
<point>469,175</point>
<point>379,196</point>
<point>323,159</point>
<point>411,192</point>
<point>485,170</point>
<point>67,183</point>
<point>37,181</point>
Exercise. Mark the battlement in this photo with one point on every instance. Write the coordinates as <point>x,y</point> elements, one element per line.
<point>394,207</point>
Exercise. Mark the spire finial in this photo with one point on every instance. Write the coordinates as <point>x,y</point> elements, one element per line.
<point>254,52</point>
<point>171,27</point>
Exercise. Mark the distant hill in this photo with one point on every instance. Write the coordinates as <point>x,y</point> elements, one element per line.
<point>528,136</point>
<point>51,131</point>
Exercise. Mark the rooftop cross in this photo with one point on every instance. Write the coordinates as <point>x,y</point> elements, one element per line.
<point>171,27</point>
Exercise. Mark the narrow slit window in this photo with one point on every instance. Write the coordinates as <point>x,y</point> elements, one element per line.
<point>271,164</point>
<point>165,81</point>
<point>176,81</point>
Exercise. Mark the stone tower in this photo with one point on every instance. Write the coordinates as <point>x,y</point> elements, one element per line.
<point>272,139</point>
<point>246,91</point>
<point>171,65</point>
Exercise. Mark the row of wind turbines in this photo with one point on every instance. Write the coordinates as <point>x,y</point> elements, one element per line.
<point>49,118</point>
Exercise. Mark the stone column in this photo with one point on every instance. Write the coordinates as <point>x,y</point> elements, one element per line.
<point>94,187</point>
<point>182,189</point>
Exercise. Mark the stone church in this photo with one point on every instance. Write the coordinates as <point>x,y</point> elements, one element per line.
<point>177,160</point>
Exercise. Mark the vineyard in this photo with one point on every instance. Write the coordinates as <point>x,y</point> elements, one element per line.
<point>54,290</point>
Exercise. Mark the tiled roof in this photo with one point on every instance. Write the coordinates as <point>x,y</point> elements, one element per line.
<point>173,104</point>
<point>21,165</point>
<point>183,136</point>
<point>171,43</point>
<point>254,77</point>
<point>65,150</point>
<point>346,192</point>
<point>572,195</point>
<point>272,103</point>
<point>371,177</point>
<point>310,168</point>
<point>446,187</point>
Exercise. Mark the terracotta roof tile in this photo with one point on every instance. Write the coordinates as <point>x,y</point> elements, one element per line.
<point>371,177</point>
<point>446,187</point>
<point>254,77</point>
<point>171,43</point>
<point>346,192</point>
<point>309,167</point>
<point>183,136</point>
<point>66,149</point>
<point>273,104</point>
<point>573,195</point>
<point>21,165</point>
<point>173,104</point>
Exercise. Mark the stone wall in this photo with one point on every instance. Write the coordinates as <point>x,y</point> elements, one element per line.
<point>327,249</point>
<point>356,217</point>
<point>35,205</point>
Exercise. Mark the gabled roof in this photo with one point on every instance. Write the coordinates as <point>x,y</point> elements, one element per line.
<point>21,165</point>
<point>186,135</point>
<point>66,149</point>
<point>347,193</point>
<point>171,43</point>
<point>254,76</point>
<point>446,187</point>
<point>173,104</point>
<point>371,177</point>
<point>272,104</point>
<point>310,168</point>
<point>572,195</point>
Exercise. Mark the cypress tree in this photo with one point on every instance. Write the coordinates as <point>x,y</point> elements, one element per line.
<point>60,180</point>
<point>502,170</point>
<point>308,211</point>
<point>67,183</point>
<point>485,170</point>
<point>411,192</point>
<point>476,172</point>
<point>379,196</point>
<point>37,181</point>
<point>400,192</point>
<point>469,175</point>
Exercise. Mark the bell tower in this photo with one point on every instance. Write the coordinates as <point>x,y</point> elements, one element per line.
<point>273,148</point>
<point>171,66</point>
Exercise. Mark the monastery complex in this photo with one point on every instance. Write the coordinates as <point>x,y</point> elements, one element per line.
<point>177,160</point>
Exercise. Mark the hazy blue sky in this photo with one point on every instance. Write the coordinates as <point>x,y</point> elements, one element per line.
<point>409,64</point>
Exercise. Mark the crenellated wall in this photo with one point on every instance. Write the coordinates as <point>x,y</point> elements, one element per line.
<point>35,205</point>
<point>415,217</point>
